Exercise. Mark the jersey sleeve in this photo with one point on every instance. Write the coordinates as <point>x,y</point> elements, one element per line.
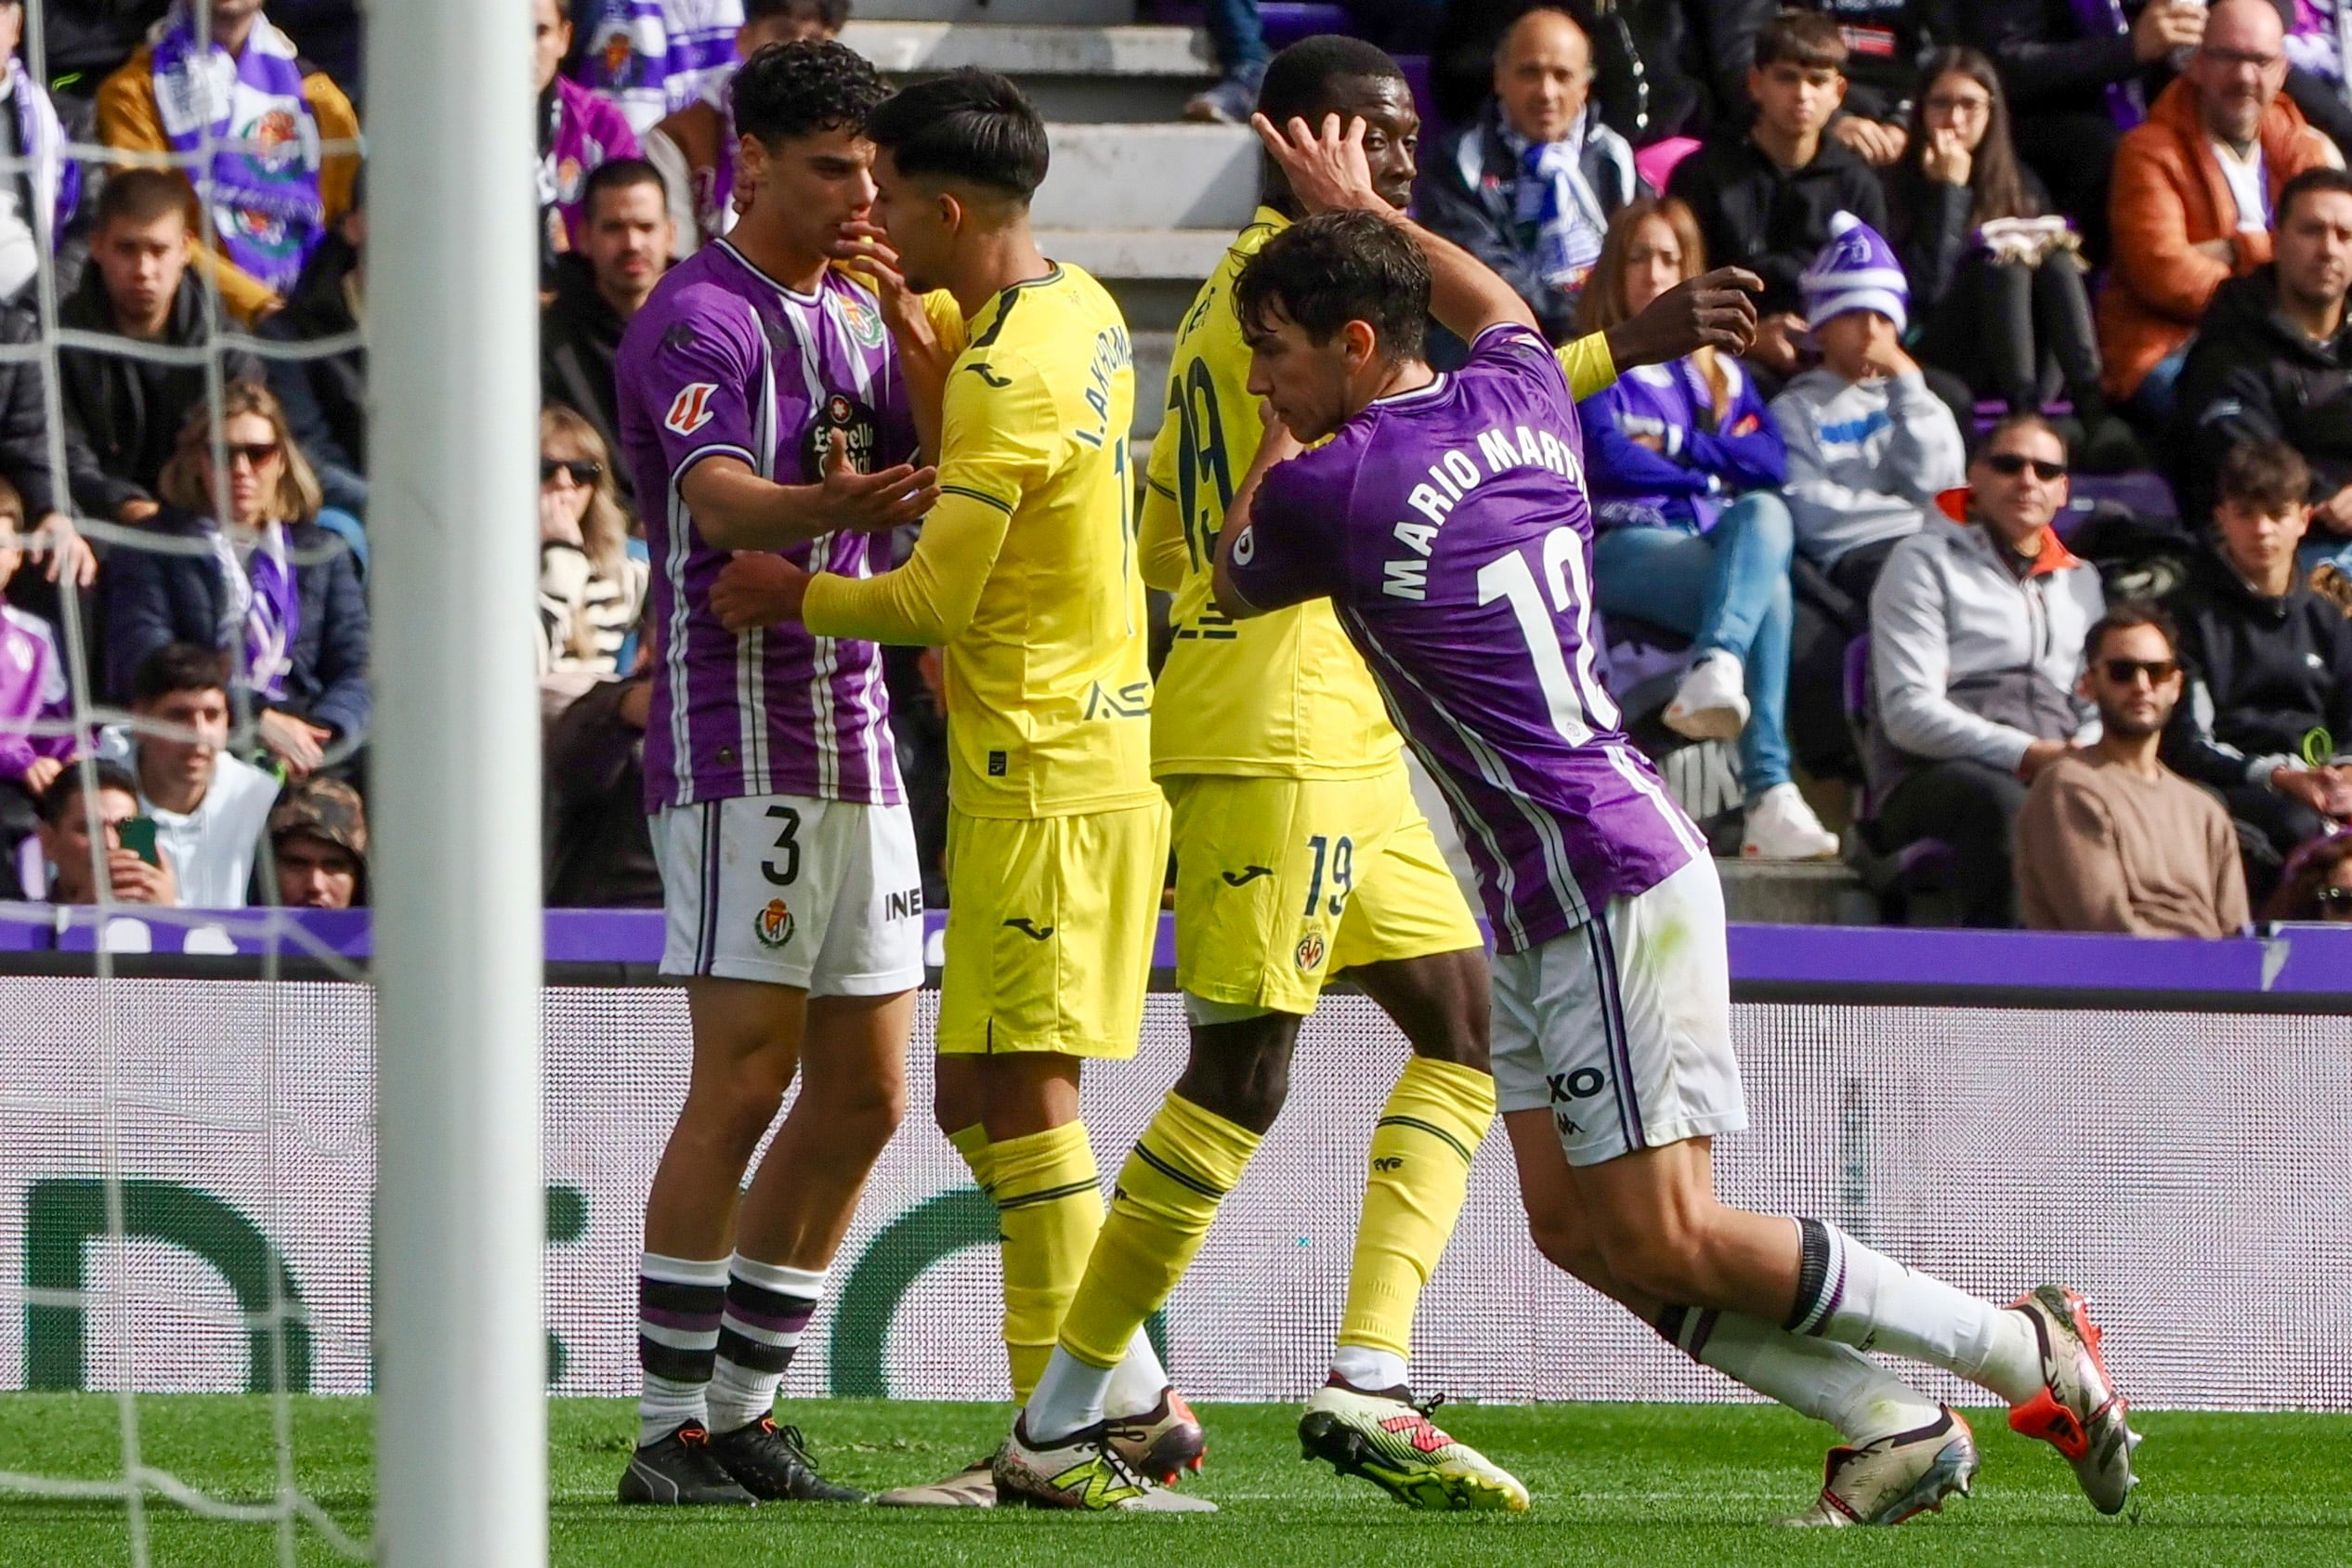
<point>1588,365</point>
<point>999,434</point>
<point>1507,348</point>
<point>697,384</point>
<point>1295,548</point>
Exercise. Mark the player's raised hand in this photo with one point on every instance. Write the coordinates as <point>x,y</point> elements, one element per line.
<point>1326,169</point>
<point>874,502</point>
<point>757,589</point>
<point>867,252</point>
<point>1714,311</point>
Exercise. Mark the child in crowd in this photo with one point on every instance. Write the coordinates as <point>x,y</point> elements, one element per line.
<point>1870,447</point>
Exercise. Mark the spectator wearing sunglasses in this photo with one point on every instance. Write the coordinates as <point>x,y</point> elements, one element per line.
<point>242,567</point>
<point>2318,885</point>
<point>1977,627</point>
<point>2269,720</point>
<point>2110,838</point>
<point>590,589</point>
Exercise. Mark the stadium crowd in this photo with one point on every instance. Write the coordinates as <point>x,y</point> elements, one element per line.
<point>2023,536</point>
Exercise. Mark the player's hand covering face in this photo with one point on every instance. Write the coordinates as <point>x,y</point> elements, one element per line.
<point>1326,167</point>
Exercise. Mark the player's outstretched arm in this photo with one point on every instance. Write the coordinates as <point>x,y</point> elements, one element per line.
<point>1328,173</point>
<point>1715,310</point>
<point>734,509</point>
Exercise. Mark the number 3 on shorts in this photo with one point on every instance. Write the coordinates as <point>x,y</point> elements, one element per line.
<point>789,843</point>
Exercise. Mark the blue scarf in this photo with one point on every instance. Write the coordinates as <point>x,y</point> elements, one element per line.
<point>267,213</point>
<point>1555,199</point>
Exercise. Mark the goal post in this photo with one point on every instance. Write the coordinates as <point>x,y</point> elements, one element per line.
<point>452,307</point>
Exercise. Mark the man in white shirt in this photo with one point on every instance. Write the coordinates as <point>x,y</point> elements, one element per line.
<point>209,806</point>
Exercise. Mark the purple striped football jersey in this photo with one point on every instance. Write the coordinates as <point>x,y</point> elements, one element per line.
<point>724,359</point>
<point>1451,528</point>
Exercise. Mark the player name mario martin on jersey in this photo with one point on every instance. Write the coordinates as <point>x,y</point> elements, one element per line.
<point>1405,575</point>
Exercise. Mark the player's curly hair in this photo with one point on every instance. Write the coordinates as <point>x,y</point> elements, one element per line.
<point>1337,268</point>
<point>800,88</point>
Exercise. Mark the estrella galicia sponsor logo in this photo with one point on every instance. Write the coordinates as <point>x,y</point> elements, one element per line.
<point>1030,928</point>
<point>773,924</point>
<point>861,434</point>
<point>1247,875</point>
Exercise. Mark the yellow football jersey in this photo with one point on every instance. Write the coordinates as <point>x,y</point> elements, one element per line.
<point>1284,695</point>
<point>1027,570</point>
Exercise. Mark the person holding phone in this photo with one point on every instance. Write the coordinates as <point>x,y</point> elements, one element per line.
<point>134,868</point>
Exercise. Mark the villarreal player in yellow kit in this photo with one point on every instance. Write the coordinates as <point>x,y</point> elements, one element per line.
<point>1026,574</point>
<point>1300,853</point>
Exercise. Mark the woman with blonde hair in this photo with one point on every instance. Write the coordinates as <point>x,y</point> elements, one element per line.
<point>242,565</point>
<point>590,588</point>
<point>1683,461</point>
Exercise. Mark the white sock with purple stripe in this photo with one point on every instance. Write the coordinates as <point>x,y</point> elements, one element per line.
<point>768,1307</point>
<point>1847,1292</point>
<point>1829,1382</point>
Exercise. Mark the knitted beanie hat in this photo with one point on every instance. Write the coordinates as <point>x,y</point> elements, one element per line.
<point>1857,271</point>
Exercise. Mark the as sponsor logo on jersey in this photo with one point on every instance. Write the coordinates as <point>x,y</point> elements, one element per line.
<point>773,924</point>
<point>1311,952</point>
<point>865,323</point>
<point>690,410</point>
<point>858,426</point>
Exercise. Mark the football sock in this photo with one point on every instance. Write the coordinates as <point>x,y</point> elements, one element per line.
<point>768,1307</point>
<point>1829,1382</point>
<point>1184,1164</point>
<point>1857,1296</point>
<point>1138,1381</point>
<point>972,1143</point>
<point>679,1303</point>
<point>1050,1207</point>
<point>1419,1175</point>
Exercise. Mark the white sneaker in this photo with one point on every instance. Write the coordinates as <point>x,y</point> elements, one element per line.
<point>1710,704</point>
<point>1782,827</point>
<point>1082,1471</point>
<point>1888,1481</point>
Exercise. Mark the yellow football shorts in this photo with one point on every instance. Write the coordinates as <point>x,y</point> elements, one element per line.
<point>1283,882</point>
<point>1051,923</point>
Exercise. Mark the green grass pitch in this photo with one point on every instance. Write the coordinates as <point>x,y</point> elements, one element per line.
<point>1655,1486</point>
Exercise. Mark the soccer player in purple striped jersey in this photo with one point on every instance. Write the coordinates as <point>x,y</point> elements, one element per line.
<point>767,416</point>
<point>1447,521</point>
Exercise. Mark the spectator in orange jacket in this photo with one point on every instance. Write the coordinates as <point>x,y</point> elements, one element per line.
<point>2190,199</point>
<point>269,211</point>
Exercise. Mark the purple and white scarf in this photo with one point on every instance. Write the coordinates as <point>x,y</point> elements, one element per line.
<point>267,209</point>
<point>1559,204</point>
<point>261,607</point>
<point>654,57</point>
<point>55,179</point>
<point>2126,100</point>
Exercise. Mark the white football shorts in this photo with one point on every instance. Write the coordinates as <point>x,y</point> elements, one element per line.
<point>1622,1027</point>
<point>826,896</point>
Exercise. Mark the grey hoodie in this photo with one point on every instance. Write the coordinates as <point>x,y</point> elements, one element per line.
<point>1866,459</point>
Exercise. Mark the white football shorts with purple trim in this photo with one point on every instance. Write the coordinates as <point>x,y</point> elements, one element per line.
<point>1622,1027</point>
<point>826,896</point>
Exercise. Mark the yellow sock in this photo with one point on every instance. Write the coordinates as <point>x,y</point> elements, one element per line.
<point>972,1143</point>
<point>1050,1207</point>
<point>1421,1157</point>
<point>1182,1166</point>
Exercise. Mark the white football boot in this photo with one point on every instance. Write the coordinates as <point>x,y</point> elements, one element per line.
<point>1082,1471</point>
<point>1162,1442</point>
<point>975,1486</point>
<point>1888,1480</point>
<point>1711,703</point>
<point>1393,1444</point>
<point>1782,827</point>
<point>2078,1411</point>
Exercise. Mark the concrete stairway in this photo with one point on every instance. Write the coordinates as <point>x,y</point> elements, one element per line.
<point>1136,197</point>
